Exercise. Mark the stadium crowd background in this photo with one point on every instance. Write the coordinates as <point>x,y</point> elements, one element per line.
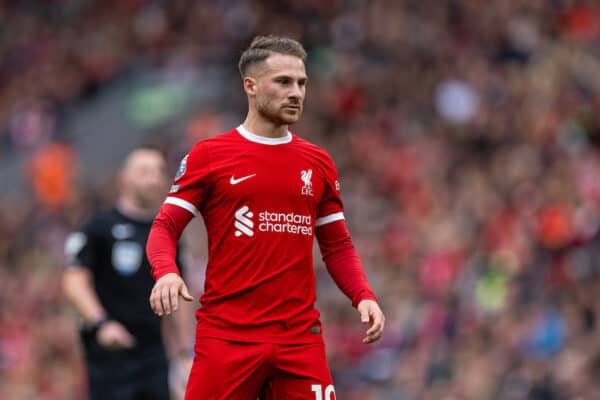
<point>467,138</point>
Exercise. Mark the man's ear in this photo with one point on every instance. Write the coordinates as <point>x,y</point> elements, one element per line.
<point>250,85</point>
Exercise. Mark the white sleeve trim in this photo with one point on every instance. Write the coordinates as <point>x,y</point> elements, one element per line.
<point>183,204</point>
<point>329,218</point>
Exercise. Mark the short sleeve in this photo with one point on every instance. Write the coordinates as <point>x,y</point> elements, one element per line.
<point>81,246</point>
<point>191,181</point>
<point>330,207</point>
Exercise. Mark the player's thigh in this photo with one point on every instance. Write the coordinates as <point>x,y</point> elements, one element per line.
<point>225,370</point>
<point>301,372</point>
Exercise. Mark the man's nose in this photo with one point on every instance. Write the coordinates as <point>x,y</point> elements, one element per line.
<point>296,92</point>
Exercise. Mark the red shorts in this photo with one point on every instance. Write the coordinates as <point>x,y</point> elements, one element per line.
<point>224,370</point>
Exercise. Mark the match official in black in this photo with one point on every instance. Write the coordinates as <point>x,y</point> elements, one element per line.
<point>108,281</point>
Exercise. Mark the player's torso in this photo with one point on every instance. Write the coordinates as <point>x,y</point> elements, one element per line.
<point>260,207</point>
<point>264,192</point>
<point>260,212</point>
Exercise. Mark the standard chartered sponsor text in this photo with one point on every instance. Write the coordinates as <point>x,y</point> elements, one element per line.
<point>285,223</point>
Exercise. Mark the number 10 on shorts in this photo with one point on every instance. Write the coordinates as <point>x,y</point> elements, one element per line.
<point>329,393</point>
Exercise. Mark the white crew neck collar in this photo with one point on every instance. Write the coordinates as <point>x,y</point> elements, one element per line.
<point>262,139</point>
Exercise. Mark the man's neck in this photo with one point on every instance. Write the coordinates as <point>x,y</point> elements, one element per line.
<point>130,209</point>
<point>262,127</point>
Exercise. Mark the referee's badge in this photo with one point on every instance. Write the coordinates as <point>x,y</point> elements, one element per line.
<point>127,257</point>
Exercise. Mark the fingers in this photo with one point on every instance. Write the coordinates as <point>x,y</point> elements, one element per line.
<point>174,297</point>
<point>376,330</point>
<point>377,324</point>
<point>160,300</point>
<point>376,321</point>
<point>155,302</point>
<point>114,336</point>
<point>164,298</point>
<point>364,316</point>
<point>126,339</point>
<point>185,293</point>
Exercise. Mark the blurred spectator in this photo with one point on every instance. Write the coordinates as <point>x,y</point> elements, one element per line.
<point>52,170</point>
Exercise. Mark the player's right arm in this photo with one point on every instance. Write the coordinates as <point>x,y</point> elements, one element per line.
<point>161,249</point>
<point>179,208</point>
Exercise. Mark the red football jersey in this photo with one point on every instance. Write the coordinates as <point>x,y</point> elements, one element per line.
<point>261,199</point>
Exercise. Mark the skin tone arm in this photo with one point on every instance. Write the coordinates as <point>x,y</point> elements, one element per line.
<point>78,288</point>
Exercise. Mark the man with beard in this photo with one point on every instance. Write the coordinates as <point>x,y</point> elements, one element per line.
<point>108,281</point>
<point>264,194</point>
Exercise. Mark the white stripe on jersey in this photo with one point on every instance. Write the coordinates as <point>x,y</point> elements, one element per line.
<point>329,218</point>
<point>183,204</point>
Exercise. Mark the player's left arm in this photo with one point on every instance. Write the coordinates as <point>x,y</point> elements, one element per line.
<point>347,271</point>
<point>340,256</point>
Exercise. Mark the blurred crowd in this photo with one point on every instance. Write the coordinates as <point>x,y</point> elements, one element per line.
<point>467,138</point>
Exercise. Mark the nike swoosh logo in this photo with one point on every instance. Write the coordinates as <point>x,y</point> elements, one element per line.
<point>234,181</point>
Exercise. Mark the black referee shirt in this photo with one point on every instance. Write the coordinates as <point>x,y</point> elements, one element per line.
<point>112,246</point>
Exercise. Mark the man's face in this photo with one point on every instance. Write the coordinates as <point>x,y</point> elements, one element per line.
<point>144,178</point>
<point>280,89</point>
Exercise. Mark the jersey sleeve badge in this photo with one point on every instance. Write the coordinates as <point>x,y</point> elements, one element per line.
<point>182,167</point>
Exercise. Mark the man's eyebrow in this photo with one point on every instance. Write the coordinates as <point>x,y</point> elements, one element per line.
<point>286,76</point>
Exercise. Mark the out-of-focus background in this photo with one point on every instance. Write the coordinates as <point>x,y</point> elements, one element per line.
<point>467,137</point>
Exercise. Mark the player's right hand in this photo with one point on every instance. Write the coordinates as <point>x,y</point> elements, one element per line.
<point>164,298</point>
<point>114,336</point>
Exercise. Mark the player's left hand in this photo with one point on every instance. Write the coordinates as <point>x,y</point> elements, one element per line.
<point>371,314</point>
